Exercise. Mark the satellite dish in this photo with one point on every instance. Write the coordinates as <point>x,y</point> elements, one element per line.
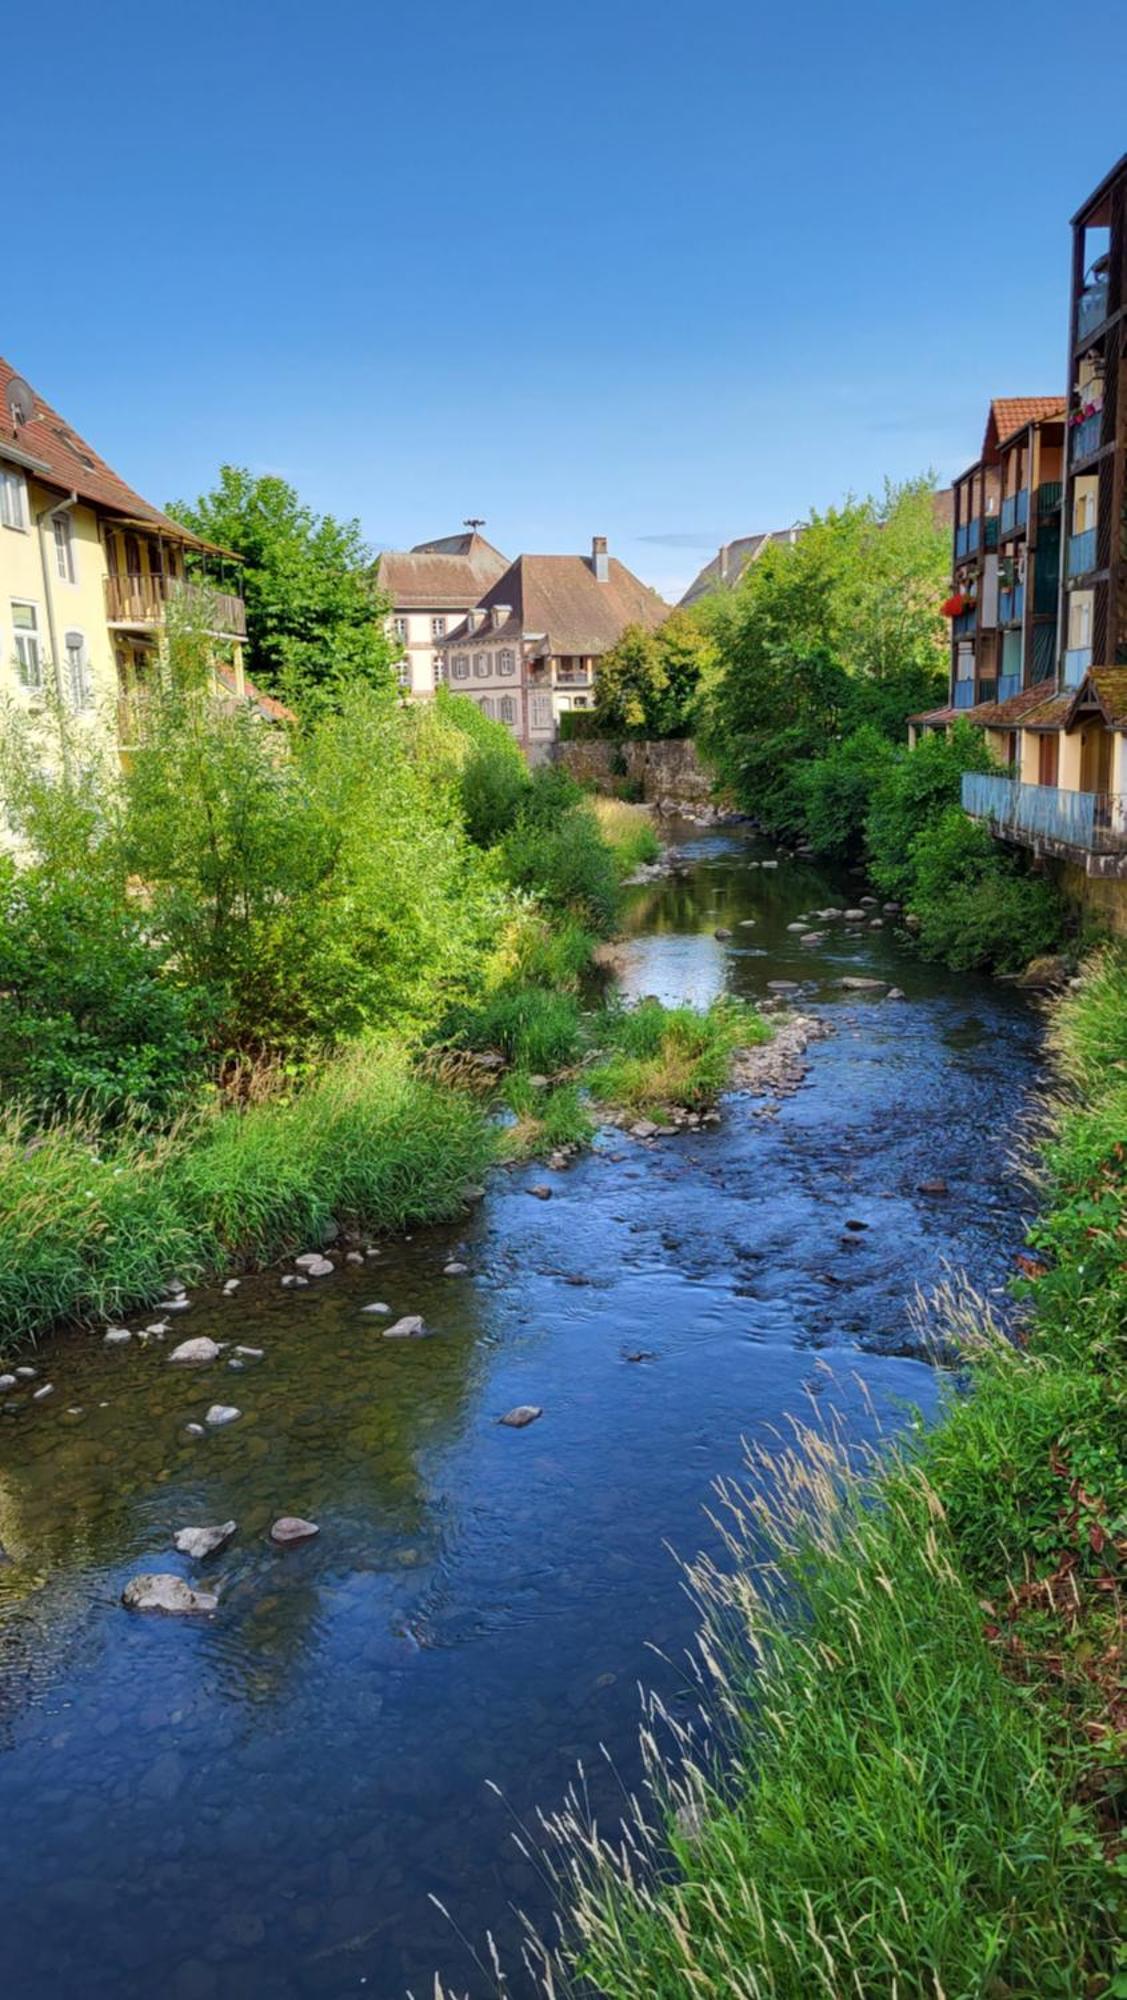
<point>20,400</point>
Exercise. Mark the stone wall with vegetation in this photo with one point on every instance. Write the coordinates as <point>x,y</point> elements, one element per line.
<point>664,774</point>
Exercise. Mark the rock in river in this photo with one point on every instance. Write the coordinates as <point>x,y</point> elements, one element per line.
<point>525,1413</point>
<point>195,1352</point>
<point>290,1528</point>
<point>116,1336</point>
<point>852,985</point>
<point>541,1192</point>
<point>932,1187</point>
<point>454,1270</point>
<point>314,1265</point>
<point>200,1542</point>
<point>166,1593</point>
<point>220,1414</point>
<point>411,1327</point>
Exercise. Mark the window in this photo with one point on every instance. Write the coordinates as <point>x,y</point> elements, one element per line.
<point>25,619</point>
<point>507,709</point>
<point>541,711</point>
<point>79,692</point>
<point>403,673</point>
<point>399,627</point>
<point>132,556</point>
<point>487,706</point>
<point>481,666</point>
<point>461,666</point>
<point>13,499</point>
<point>438,628</point>
<point>439,670</point>
<point>64,547</point>
<point>506,661</point>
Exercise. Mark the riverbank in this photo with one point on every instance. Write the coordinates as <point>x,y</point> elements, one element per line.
<point>918,1783</point>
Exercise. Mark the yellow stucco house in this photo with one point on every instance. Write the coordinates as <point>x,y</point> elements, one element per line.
<point>88,570</point>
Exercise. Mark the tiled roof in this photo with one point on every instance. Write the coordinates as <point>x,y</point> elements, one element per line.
<point>449,574</point>
<point>1012,413</point>
<point>1007,714</point>
<point>562,597</point>
<point>266,704</point>
<point>1110,685</point>
<point>1049,713</point>
<point>938,717</point>
<point>57,456</point>
<point>732,558</point>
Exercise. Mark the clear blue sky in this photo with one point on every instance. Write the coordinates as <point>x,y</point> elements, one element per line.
<point>668,273</point>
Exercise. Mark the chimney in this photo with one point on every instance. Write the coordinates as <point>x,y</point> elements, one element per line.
<point>722,563</point>
<point>599,560</point>
<point>501,615</point>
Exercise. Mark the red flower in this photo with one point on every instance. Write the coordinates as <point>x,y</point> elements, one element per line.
<point>953,606</point>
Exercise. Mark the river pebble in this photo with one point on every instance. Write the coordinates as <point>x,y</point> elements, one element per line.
<point>166,1593</point>
<point>524,1414</point>
<point>200,1542</point>
<point>290,1528</point>
<point>220,1414</point>
<point>195,1353</point>
<point>411,1327</point>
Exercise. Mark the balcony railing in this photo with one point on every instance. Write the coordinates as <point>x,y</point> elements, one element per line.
<point>1077,661</point>
<point>964,694</point>
<point>1095,822</point>
<point>573,677</point>
<point>1011,605</point>
<point>144,600</point>
<point>967,539</point>
<point>990,532</point>
<point>1048,497</point>
<point>1008,685</point>
<point>1086,437</point>
<point>1015,511</point>
<point>1082,553</point>
<point>1091,307</point>
<point>965,622</point>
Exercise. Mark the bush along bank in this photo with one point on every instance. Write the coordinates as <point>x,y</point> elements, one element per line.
<point>914,1777</point>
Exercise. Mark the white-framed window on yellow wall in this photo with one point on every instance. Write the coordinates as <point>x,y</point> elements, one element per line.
<point>13,498</point>
<point>63,531</point>
<point>29,657</point>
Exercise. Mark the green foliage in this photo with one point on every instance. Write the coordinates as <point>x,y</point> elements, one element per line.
<point>836,630</point>
<point>90,1227</point>
<point>555,849</point>
<point>836,792</point>
<point>314,613</point>
<point>662,1055</point>
<point>913,794</point>
<point>648,682</point>
<point>542,1118</point>
<point>314,891</point>
<point>629,832</point>
<point>531,1026</point>
<point>89,1017</point>
<point>494,781</point>
<point>976,904</point>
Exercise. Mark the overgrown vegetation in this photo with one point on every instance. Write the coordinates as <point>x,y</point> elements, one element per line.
<point>650,681</point>
<point>916,1782</point>
<point>660,1056</point>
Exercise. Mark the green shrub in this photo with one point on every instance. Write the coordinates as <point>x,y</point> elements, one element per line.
<point>837,791</point>
<point>494,779</point>
<point>542,1118</point>
<point>914,791</point>
<point>629,832</point>
<point>976,904</point>
<point>566,862</point>
<point>91,1018</point>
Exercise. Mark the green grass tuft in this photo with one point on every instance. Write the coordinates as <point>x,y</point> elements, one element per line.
<point>671,1055</point>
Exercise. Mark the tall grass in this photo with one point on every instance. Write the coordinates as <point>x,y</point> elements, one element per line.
<point>910,1779</point>
<point>671,1055</point>
<point>87,1231</point>
<point>629,832</point>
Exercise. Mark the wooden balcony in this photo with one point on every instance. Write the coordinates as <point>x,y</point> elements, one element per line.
<point>142,601</point>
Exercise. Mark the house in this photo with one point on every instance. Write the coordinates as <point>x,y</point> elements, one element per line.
<point>88,570</point>
<point>529,649</point>
<point>1055,708</point>
<point>429,590</point>
<point>727,566</point>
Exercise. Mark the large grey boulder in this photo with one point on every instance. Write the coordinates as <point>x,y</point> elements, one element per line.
<point>221,1414</point>
<point>290,1528</point>
<point>411,1327</point>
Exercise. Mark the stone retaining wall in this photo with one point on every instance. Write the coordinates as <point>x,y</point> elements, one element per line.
<point>665,774</point>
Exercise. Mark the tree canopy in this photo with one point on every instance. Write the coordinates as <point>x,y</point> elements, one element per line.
<point>648,682</point>
<point>314,613</point>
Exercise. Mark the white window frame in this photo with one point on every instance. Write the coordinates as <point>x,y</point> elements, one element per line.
<point>400,629</point>
<point>403,673</point>
<point>62,528</point>
<point>438,628</point>
<point>461,666</point>
<point>481,666</point>
<point>28,645</point>
<point>507,710</point>
<point>13,499</point>
<point>79,690</point>
<point>541,713</point>
<point>439,670</point>
<point>506,661</point>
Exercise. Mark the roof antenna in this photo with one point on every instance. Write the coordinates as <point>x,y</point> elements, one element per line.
<point>474,523</point>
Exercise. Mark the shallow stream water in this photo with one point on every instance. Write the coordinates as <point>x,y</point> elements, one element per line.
<point>264,1803</point>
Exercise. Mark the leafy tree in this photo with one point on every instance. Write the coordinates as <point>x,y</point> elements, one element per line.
<point>493,777</point>
<point>314,613</point>
<point>648,682</point>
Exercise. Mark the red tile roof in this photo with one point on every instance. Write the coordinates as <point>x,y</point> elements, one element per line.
<point>562,597</point>
<point>447,575</point>
<point>57,456</point>
<point>1012,413</point>
<point>266,704</point>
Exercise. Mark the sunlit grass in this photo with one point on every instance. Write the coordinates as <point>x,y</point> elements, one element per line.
<point>661,1055</point>
<point>629,831</point>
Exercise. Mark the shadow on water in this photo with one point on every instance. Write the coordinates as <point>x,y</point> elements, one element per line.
<point>261,1805</point>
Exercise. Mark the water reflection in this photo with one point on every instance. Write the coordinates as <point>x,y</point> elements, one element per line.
<point>262,1804</point>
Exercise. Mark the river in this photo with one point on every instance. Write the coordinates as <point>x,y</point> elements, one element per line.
<point>263,1804</point>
